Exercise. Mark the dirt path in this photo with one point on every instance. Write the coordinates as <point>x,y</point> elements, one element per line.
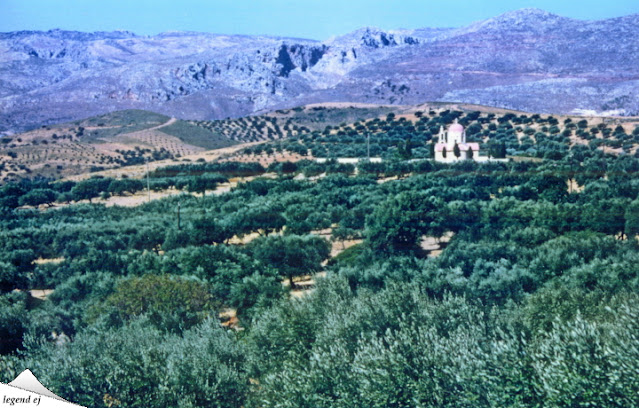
<point>168,123</point>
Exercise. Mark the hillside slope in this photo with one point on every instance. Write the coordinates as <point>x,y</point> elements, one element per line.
<point>128,138</point>
<point>113,140</point>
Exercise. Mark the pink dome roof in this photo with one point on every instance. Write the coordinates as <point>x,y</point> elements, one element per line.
<point>456,127</point>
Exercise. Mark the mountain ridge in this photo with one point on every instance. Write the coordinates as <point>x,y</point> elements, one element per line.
<point>510,61</point>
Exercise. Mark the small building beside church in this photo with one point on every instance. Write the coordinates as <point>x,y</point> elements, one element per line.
<point>455,136</point>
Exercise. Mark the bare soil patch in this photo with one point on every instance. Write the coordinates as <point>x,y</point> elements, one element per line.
<point>41,261</point>
<point>139,171</point>
<point>303,284</point>
<point>337,247</point>
<point>139,198</point>
<point>40,294</point>
<point>229,319</point>
<point>435,245</point>
<point>266,159</point>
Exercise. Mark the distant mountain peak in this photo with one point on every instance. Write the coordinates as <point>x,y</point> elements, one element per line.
<point>373,37</point>
<point>528,12</point>
<point>526,18</point>
<point>526,15</point>
<point>72,35</point>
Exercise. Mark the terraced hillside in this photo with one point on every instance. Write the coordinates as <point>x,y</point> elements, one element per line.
<point>321,130</point>
<point>285,123</point>
<point>130,137</point>
<point>102,142</point>
<point>410,132</point>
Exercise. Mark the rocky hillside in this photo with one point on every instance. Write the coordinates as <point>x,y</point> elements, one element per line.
<point>527,60</point>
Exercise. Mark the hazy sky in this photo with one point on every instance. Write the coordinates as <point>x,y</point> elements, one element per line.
<point>317,19</point>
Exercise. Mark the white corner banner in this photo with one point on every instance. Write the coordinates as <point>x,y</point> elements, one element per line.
<point>26,391</point>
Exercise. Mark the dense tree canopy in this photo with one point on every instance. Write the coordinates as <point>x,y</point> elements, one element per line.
<point>456,285</point>
<point>291,255</point>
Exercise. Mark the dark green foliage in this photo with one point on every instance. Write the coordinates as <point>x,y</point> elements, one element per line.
<point>549,186</point>
<point>199,184</point>
<point>11,277</point>
<point>12,321</point>
<point>397,224</point>
<point>264,220</point>
<point>149,238</point>
<point>172,304</point>
<point>38,196</point>
<point>255,292</point>
<point>206,230</point>
<point>10,194</point>
<point>179,238</point>
<point>231,274</point>
<point>122,186</point>
<point>291,255</point>
<point>456,150</point>
<point>286,167</point>
<point>227,169</point>
<point>498,151</point>
<point>89,189</point>
<point>372,168</point>
<point>20,259</point>
<point>631,227</point>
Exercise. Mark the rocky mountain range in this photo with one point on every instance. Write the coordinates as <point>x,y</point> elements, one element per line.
<point>527,60</point>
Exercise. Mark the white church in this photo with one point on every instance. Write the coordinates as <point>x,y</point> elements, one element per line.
<point>445,147</point>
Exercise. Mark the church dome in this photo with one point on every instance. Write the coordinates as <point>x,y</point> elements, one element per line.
<point>456,127</point>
